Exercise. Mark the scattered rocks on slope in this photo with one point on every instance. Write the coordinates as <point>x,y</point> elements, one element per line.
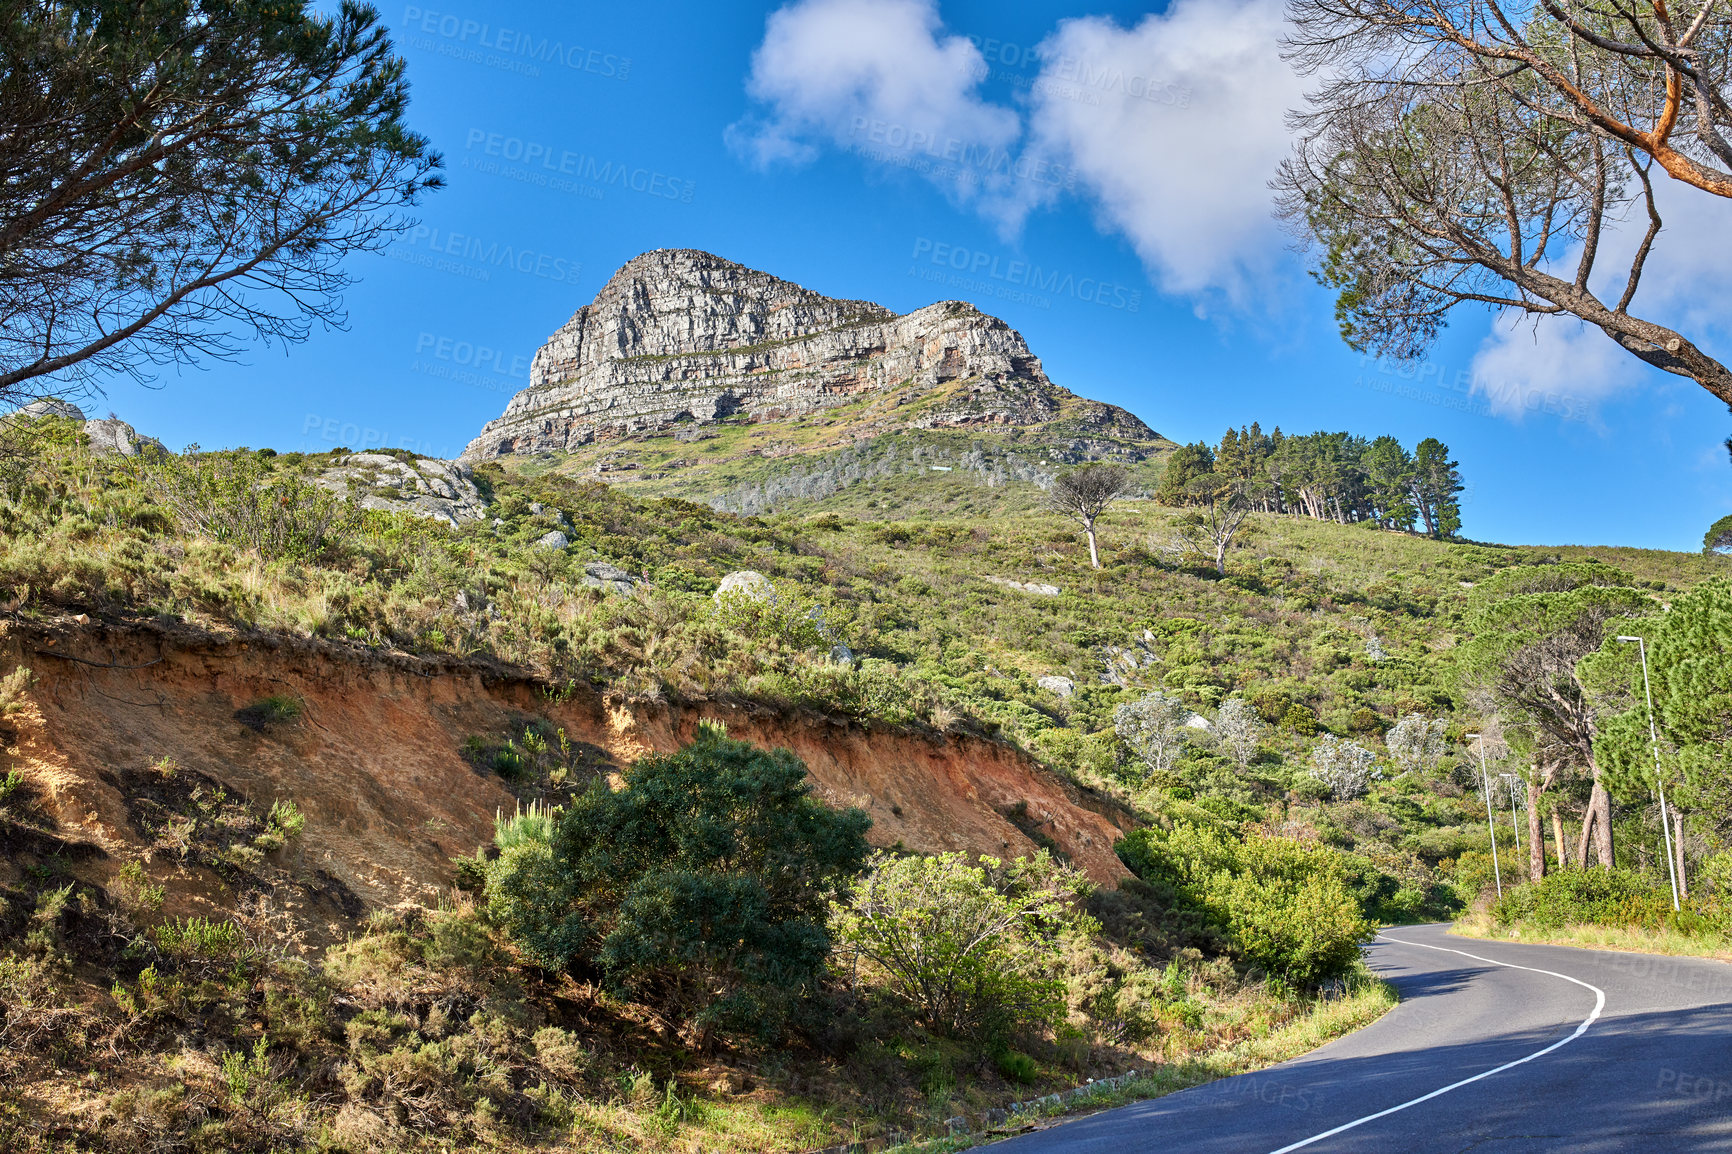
<point>558,515</point>
<point>1063,686</point>
<point>1038,588</point>
<point>427,487</point>
<point>1125,663</point>
<point>747,583</point>
<point>552,540</point>
<point>601,575</point>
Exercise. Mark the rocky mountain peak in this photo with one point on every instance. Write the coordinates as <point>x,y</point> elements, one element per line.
<point>679,335</point>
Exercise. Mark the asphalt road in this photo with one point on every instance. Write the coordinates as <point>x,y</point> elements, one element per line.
<point>1605,1052</point>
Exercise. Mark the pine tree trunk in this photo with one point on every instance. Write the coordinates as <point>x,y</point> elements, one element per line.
<point>1602,829</point>
<point>1587,838</point>
<point>1423,507</point>
<point>1536,833</point>
<point>1560,840</point>
<point>1601,803</point>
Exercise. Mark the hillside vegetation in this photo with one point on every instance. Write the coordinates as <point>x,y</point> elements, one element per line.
<point>1288,736</point>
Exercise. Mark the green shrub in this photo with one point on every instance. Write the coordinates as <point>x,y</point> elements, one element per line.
<point>534,824</point>
<point>241,499</point>
<point>201,938</point>
<point>780,617</point>
<point>269,711</point>
<point>969,949</point>
<point>1017,1066</point>
<point>700,888</point>
<point>1285,906</point>
<point>1596,897</point>
<point>1300,719</point>
<point>133,892</point>
<point>286,818</point>
<point>13,687</point>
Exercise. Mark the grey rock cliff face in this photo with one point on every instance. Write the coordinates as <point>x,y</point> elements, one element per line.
<point>679,335</point>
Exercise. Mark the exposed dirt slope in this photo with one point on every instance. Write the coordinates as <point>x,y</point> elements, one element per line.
<point>374,760</point>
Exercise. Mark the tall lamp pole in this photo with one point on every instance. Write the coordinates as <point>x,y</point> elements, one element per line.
<point>1491,827</point>
<point>1659,783</point>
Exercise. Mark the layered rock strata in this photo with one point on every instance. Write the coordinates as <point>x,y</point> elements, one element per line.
<point>683,336</point>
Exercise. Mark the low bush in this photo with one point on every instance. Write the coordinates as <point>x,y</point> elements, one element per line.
<point>1604,898</point>
<point>273,710</point>
<point>1284,905</point>
<point>970,949</point>
<point>700,888</point>
<point>241,498</point>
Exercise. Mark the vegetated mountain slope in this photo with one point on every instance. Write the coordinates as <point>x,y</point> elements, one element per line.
<point>244,637</point>
<point>1329,631</point>
<point>232,739</point>
<point>1325,628</point>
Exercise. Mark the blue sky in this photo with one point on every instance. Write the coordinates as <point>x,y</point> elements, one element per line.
<point>1162,285</point>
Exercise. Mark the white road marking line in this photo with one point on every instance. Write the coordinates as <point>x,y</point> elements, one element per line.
<point>1599,1005</point>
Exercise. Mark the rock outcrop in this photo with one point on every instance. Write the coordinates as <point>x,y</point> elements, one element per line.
<point>682,336</point>
<point>611,578</point>
<point>52,407</point>
<point>1038,588</point>
<point>425,486</point>
<point>108,436</point>
<point>113,435</point>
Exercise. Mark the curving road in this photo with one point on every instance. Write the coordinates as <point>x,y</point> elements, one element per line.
<point>1496,1046</point>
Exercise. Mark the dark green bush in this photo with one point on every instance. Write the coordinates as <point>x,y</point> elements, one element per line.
<point>700,888</point>
<point>1017,1066</point>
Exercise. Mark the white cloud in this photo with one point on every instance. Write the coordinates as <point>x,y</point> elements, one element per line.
<point>878,77</point>
<point>1169,130</point>
<point>1173,128</point>
<point>1557,366</point>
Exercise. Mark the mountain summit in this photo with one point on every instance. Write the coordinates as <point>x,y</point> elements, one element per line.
<point>678,336</point>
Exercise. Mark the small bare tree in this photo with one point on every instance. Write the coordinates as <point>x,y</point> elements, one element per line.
<point>1083,495</point>
<point>1416,742</point>
<point>182,178</point>
<point>1346,767</point>
<point>1238,729</point>
<point>1465,152</point>
<point>1154,727</point>
<point>1219,508</point>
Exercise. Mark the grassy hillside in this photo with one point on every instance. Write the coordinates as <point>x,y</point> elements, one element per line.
<point>430,1023</point>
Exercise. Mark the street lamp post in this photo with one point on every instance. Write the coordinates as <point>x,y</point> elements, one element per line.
<point>1490,825</point>
<point>1659,783</point>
